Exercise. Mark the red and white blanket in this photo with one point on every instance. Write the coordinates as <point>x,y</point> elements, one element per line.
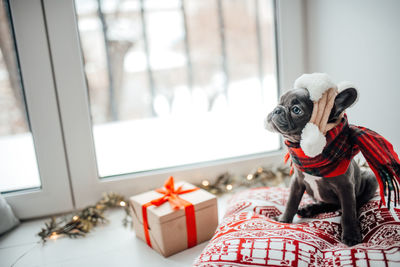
<point>248,237</point>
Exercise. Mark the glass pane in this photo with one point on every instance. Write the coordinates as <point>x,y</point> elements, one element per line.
<point>18,168</point>
<point>175,82</point>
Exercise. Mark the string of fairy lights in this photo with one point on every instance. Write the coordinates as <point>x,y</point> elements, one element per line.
<point>80,223</point>
<point>227,182</point>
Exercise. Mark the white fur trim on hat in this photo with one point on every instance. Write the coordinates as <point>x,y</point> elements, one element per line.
<point>315,83</point>
<point>312,140</point>
<point>345,85</point>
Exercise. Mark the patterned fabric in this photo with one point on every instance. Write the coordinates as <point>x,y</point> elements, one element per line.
<point>343,143</point>
<point>248,237</point>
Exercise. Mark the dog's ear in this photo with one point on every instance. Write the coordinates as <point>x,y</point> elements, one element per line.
<point>345,99</point>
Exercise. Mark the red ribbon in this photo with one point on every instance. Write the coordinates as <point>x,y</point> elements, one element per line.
<point>286,158</point>
<point>172,196</point>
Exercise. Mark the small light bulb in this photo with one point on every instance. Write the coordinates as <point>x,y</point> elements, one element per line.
<point>122,203</point>
<point>75,218</point>
<point>54,236</point>
<point>205,183</point>
<point>260,170</point>
<point>250,177</point>
<point>229,187</point>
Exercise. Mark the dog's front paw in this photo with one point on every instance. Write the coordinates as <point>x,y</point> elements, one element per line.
<point>282,219</point>
<point>314,209</point>
<point>352,238</point>
<point>306,211</point>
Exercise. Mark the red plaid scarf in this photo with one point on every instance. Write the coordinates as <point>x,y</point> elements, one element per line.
<point>343,143</point>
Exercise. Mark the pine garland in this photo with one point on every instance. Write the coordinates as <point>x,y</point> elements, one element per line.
<point>81,223</point>
<point>227,182</point>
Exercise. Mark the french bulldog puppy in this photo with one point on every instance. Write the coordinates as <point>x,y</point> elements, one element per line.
<point>347,192</point>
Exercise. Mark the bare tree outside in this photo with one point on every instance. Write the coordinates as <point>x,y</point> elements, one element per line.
<point>140,55</point>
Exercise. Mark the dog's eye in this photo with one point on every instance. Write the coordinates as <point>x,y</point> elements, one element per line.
<point>296,110</point>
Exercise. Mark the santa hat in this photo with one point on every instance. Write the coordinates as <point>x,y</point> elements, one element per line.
<point>322,92</point>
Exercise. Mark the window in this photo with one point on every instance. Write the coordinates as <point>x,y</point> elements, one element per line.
<point>177,82</point>
<point>130,92</point>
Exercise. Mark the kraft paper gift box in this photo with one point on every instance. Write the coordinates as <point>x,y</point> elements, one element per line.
<point>170,230</point>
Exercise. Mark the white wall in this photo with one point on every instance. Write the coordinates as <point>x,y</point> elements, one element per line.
<point>359,41</point>
<point>291,41</point>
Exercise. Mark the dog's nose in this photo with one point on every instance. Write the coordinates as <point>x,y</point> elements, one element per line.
<point>278,110</point>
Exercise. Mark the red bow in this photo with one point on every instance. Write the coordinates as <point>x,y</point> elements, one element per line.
<point>171,195</point>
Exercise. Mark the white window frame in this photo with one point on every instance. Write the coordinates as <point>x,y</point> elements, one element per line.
<point>54,195</point>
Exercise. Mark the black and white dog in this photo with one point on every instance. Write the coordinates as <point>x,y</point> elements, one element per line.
<point>347,192</point>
